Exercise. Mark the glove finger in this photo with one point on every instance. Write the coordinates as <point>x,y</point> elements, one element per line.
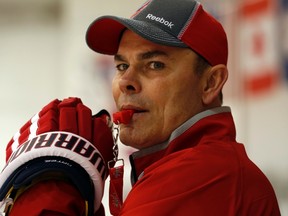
<point>68,120</point>
<point>48,122</point>
<point>9,149</point>
<point>84,115</point>
<point>17,140</point>
<point>68,115</point>
<point>70,102</point>
<point>53,105</point>
<point>103,139</point>
<point>25,126</point>
<point>23,134</point>
<point>33,124</point>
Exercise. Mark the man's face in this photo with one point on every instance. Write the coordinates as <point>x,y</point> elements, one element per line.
<point>160,84</point>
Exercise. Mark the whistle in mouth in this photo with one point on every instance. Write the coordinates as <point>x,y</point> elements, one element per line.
<point>123,117</point>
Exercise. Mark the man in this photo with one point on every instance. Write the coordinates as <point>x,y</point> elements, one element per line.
<point>171,59</point>
<point>171,66</point>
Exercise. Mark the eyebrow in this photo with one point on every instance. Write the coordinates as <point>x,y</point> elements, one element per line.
<point>143,56</point>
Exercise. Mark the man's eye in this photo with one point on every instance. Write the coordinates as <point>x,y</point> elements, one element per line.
<point>122,67</point>
<point>156,65</point>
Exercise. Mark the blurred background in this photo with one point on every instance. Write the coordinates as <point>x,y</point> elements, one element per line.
<point>43,56</point>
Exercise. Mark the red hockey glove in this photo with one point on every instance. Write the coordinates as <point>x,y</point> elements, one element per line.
<point>64,138</point>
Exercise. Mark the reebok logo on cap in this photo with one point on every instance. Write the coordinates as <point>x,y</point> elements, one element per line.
<point>160,20</point>
<point>178,23</point>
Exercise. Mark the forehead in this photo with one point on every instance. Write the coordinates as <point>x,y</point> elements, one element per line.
<point>133,44</point>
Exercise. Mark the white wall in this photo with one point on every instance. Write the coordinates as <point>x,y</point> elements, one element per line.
<point>44,56</point>
<point>262,124</point>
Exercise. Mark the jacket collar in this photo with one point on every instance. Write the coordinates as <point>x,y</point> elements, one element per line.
<point>143,158</point>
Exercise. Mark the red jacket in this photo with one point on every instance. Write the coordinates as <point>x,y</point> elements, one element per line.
<point>201,170</point>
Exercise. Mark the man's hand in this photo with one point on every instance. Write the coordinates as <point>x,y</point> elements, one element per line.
<point>64,139</point>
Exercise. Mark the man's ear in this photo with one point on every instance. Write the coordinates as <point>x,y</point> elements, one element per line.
<point>214,80</point>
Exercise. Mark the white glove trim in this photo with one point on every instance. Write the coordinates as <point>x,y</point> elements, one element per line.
<point>93,163</point>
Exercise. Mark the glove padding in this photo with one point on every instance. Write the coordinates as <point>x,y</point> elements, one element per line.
<point>65,137</point>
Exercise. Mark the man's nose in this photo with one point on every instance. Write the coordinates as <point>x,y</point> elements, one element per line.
<point>129,82</point>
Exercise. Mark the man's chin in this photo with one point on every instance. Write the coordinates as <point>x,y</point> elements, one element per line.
<point>129,139</point>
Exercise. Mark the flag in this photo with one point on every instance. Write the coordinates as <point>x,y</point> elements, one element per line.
<point>258,50</point>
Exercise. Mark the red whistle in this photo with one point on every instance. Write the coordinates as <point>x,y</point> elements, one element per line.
<point>123,117</point>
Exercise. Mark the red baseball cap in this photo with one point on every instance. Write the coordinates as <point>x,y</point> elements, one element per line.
<point>181,23</point>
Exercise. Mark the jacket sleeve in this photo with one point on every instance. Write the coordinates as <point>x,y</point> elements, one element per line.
<point>51,197</point>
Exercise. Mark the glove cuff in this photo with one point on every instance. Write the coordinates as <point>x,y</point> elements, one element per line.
<point>61,151</point>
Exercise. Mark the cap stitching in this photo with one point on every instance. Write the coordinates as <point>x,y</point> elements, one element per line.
<point>190,19</point>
